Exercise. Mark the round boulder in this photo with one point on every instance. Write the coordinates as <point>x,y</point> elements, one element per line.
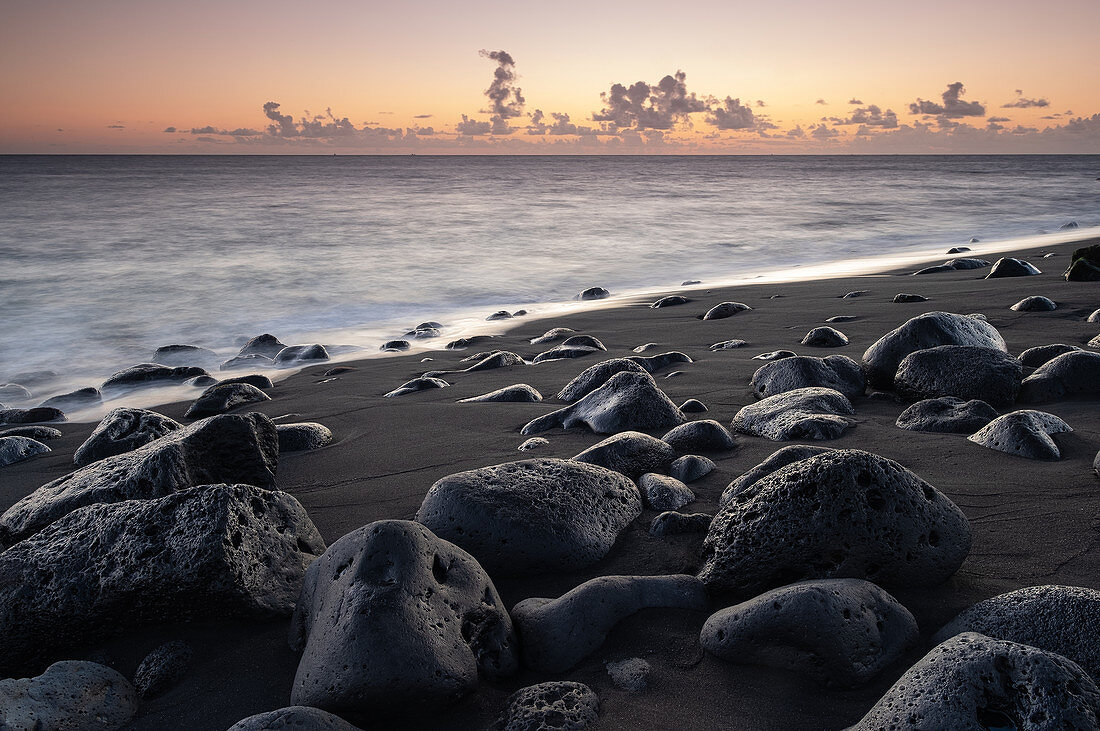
<point>963,371</point>
<point>294,718</point>
<point>725,309</point>
<point>628,400</point>
<point>17,449</point>
<point>1076,373</point>
<point>1025,433</point>
<point>123,430</point>
<point>223,397</point>
<point>70,696</point>
<point>805,413</point>
<point>1010,267</point>
<point>302,436</point>
<point>704,435</point>
<point>520,392</point>
<point>630,453</point>
<point>947,415</point>
<point>660,492</point>
<point>838,372</point>
<point>1035,304</point>
<point>825,337</point>
<point>1040,354</point>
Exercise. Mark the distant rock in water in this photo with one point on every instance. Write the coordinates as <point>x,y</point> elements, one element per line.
<point>417,384</point>
<point>961,249</point>
<point>302,436</point>
<point>14,392</point>
<point>500,315</point>
<point>842,318</point>
<point>905,298</point>
<point>266,345</point>
<point>223,397</point>
<point>1024,433</point>
<point>294,355</point>
<point>689,282</point>
<point>725,309</point>
<point>393,346</point>
<point>1035,304</point>
<point>550,706</point>
<point>71,695</point>
<point>253,379</point>
<point>1040,354</point>
<point>964,264</point>
<point>550,336</point>
<point>626,401</point>
<point>82,398</point>
<point>936,269</point>
<point>123,430</point>
<point>825,337</point>
<point>201,381</point>
<point>1009,267</point>
<point>36,415</point>
<point>150,374</point>
<point>670,301</point>
<point>518,393</point>
<point>594,293</point>
<point>804,413</point>
<point>183,355</point>
<point>1069,225</point>
<point>17,449</point>
<point>948,415</point>
<point>253,360</point>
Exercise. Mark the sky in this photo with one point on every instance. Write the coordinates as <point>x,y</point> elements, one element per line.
<point>439,77</point>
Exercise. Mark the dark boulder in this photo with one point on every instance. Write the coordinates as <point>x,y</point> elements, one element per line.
<point>825,337</point>
<point>1035,304</point>
<point>1040,354</point>
<point>294,718</point>
<point>725,309</point>
<point>704,435</point>
<point>552,335</point>
<point>296,355</point>
<point>670,523</point>
<point>417,384</point>
<point>394,346</point>
<point>776,461</point>
<point>38,433</point>
<point>1009,267</point>
<point>661,492</point>
<point>630,453</point>
<point>37,415</point>
<point>17,449</point>
<point>947,415</point>
<point>906,297</point>
<point>1072,374</point>
<point>254,360</point>
<point>805,413</point>
<point>627,400</point>
<point>595,376</point>
<point>963,371</point>
<point>223,397</point>
<point>302,436</point>
<point>266,345</point>
<point>162,669</point>
<point>555,706</point>
<point>71,695</point>
<point>123,430</point>
<point>82,398</point>
<point>184,355</point>
<point>838,372</point>
<point>670,301</point>
<point>1024,433</point>
<point>594,293</point>
<point>520,392</point>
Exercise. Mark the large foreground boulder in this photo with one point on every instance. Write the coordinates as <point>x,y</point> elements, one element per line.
<point>228,448</point>
<point>627,401</point>
<point>555,706</point>
<point>123,430</point>
<point>948,415</point>
<point>963,371</point>
<point>208,552</point>
<point>975,683</point>
<point>840,632</point>
<point>839,514</point>
<point>294,718</point>
<point>393,617</point>
<point>838,372</point>
<point>804,413</point>
<point>1025,433</point>
<point>1072,374</point>
<point>70,696</point>
<point>880,361</point>
<point>533,515</point>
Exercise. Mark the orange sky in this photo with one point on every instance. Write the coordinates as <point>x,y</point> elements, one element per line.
<point>80,76</point>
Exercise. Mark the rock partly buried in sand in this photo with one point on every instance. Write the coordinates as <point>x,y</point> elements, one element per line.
<point>1076,373</point>
<point>963,371</point>
<point>842,318</point>
<point>551,335</point>
<point>208,552</point>
<point>255,379</point>
<point>853,294</point>
<point>935,269</point>
<point>417,384</point>
<point>693,406</point>
<point>947,415</point>
<point>394,346</point>
<point>463,343</point>
<point>630,453</point>
<point>534,515</point>
<point>671,301</point>
<point>595,376</point>
<point>838,372</point>
<point>845,513</point>
<point>302,436</point>
<point>964,264</point>
<point>254,360</point>
<point>729,344</point>
<point>671,523</point>
<point>17,449</point>
<point>227,448</point>
<point>184,355</point>
<point>37,415</point>
<point>201,381</point>
<point>294,718</point>
<point>1009,267</point>
<point>654,363</point>
<point>559,633</point>
<point>150,374</point>
<point>72,695</point>
<point>775,355</point>
<point>532,444</point>
<point>520,392</point>
<point>691,467</point>
<point>974,682</point>
<point>162,668</point>
<point>223,397</point>
<point>880,361</point>
<point>660,492</point>
<point>1060,619</point>
<point>1040,354</point>
<point>555,706</point>
<point>905,297</point>
<point>393,615</point>
<point>840,632</point>
<point>777,460</point>
<point>566,350</point>
<point>295,355</point>
<point>123,430</point>
<point>1035,304</point>
<point>266,345</point>
<point>960,249</point>
<point>705,435</point>
<point>630,674</point>
<point>1024,433</point>
<point>38,433</point>
<point>825,337</point>
<point>805,413</point>
<point>725,309</point>
<point>627,400</point>
<point>82,398</point>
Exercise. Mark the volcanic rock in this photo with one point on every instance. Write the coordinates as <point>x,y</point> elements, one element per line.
<point>963,371</point>
<point>805,413</point>
<point>223,397</point>
<point>948,415</point>
<point>626,401</point>
<point>838,372</point>
<point>70,696</point>
<point>725,309</point>
<point>302,436</point>
<point>825,337</point>
<point>519,392</point>
<point>554,706</point>
<point>1009,267</point>
<point>123,430</point>
<point>1024,433</point>
<point>630,453</point>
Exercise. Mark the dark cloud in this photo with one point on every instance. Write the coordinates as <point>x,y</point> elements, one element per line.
<point>169,129</point>
<point>560,126</point>
<point>796,132</point>
<point>821,132</point>
<point>871,116</point>
<point>853,100</point>
<point>643,106</point>
<point>420,131</point>
<point>998,119</point>
<point>239,132</point>
<point>731,114</point>
<point>422,116</point>
<point>317,126</point>
<point>1024,103</point>
<point>473,127</point>
<point>283,123</point>
<point>505,97</point>
<point>207,130</point>
<point>821,101</point>
<point>952,107</point>
<point>116,126</point>
<point>760,103</point>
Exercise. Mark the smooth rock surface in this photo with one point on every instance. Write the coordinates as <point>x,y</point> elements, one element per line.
<point>294,355</point>
<point>947,415</point>
<point>38,433</point>
<point>775,355</point>
<point>302,436</point>
<point>838,372</point>
<point>123,430</point>
<point>1010,267</point>
<point>82,398</point>
<point>825,337</point>
<point>595,376</point>
<point>266,345</point>
<point>71,695</point>
<point>184,355</point>
<point>223,397</point>
<point>520,392</point>
<point>805,413</point>
<point>905,298</point>
<point>1040,354</point>
<point>703,435</point>
<point>37,415</point>
<point>661,492</point>
<point>693,406</point>
<point>963,371</point>
<point>1072,374</point>
<point>691,467</point>
<point>150,374</point>
<point>670,301</point>
<point>725,309</point>
<point>627,401</point>
<point>631,674</point>
<point>629,453</point>
<point>1025,433</point>
<point>594,293</point>
<point>417,384</point>
<point>1035,304</point>
<point>551,335</point>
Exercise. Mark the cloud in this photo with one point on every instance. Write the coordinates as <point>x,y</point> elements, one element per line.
<point>821,101</point>
<point>796,132</point>
<point>643,106</point>
<point>561,125</point>
<point>210,130</point>
<point>116,126</point>
<point>505,97</point>
<point>1024,103</point>
<point>870,116</point>
<point>473,127</point>
<point>821,132</point>
<point>853,100</point>
<point>760,103</point>
<point>998,119</point>
<point>170,129</point>
<point>731,114</point>
<point>422,116</point>
<point>952,107</point>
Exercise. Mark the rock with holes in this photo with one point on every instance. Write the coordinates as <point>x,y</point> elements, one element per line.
<point>963,371</point>
<point>294,356</point>
<point>628,400</point>
<point>594,293</point>
<point>840,632</point>
<point>825,337</point>
<point>71,695</point>
<point>671,523</point>
<point>804,413</point>
<point>207,552</point>
<point>150,374</point>
<point>1010,267</point>
<point>226,448</point>
<point>1094,316</point>
<point>595,376</point>
<point>905,298</point>
<point>393,615</point>
<point>977,683</point>
<point>880,361</point>
<point>534,515</point>
<point>725,309</point>
<point>162,669</point>
<point>555,706</point>
<point>671,301</point>
<point>302,436</point>
<point>81,398</point>
<point>294,718</point>
<point>777,460</point>
<point>660,492</point>
<point>630,453</point>
<point>1040,354</point>
<point>691,467</point>
<point>1035,304</point>
<point>266,345</point>
<point>654,363</point>
<point>223,397</point>
<point>704,435</point>
<point>1025,433</point>
<point>1072,374</point>
<point>845,513</point>
<point>520,392</point>
<point>37,415</point>
<point>417,384</point>
<point>17,449</point>
<point>551,335</point>
<point>559,633</point>
<point>123,430</point>
<point>38,433</point>
<point>838,372</point>
<point>947,415</point>
<point>1060,619</point>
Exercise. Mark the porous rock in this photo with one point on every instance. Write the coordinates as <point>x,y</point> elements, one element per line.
<point>1025,433</point>
<point>630,453</point>
<point>564,351</point>
<point>417,384</point>
<point>704,435</point>
<point>595,376</point>
<point>880,361</point>
<point>207,552</point>
<point>226,448</point>
<point>1010,267</point>
<point>963,371</point>
<point>628,400</point>
<point>973,682</point>
<point>777,460</point>
<point>725,309</point>
<point>532,444</point>
<point>947,415</point>
<point>1035,304</point>
<point>671,523</point>
<point>162,668</point>
<point>845,513</point>
<point>804,413</point>
<point>302,436</point>
<point>266,345</point>
<point>825,337</point>
<point>838,372</point>
<point>1084,264</point>
<point>534,515</point>
<point>1040,354</point>
<point>559,705</point>
<point>223,397</point>
<point>660,492</point>
<point>38,433</point>
<point>150,374</point>
<point>520,392</point>
<point>840,632</point>
<point>294,718</point>
<point>559,633</point>
<point>1072,374</point>
<point>123,430</point>
<point>463,343</point>
<point>393,615</point>
<point>71,695</point>
<point>691,467</point>
<point>17,449</point>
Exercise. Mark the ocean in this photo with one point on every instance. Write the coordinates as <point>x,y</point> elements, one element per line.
<point>105,258</point>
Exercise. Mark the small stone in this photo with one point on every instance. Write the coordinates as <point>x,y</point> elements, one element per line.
<point>1024,433</point>
<point>266,345</point>
<point>775,355</point>
<point>184,355</point>
<point>660,492</point>
<point>645,348</point>
<point>82,398</point>
<point>905,297</point>
<point>332,372</point>
<point>500,315</point>
<point>417,384</point>
<point>961,249</point>
<point>693,406</point>
<point>294,718</point>
<point>123,430</point>
<point>302,436</point>
<point>725,309</point>
<point>691,467</point>
<point>1037,356</point>
<point>825,337</point>
<point>626,401</point>
<point>296,355</point>
<point>1035,304</point>
<point>671,523</point>
<point>654,363</point>
<point>842,318</point>
<point>631,674</point>
<point>255,360</point>
<point>223,397</point>
<point>395,346</point>
<point>550,336</point>
<point>554,706</point>
<point>1094,317</point>
<point>838,372</point>
<point>966,264</point>
<point>14,392</point>
<point>533,443</point>
<point>36,415</point>
<point>594,293</point>
<point>854,294</point>
<point>520,392</point>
